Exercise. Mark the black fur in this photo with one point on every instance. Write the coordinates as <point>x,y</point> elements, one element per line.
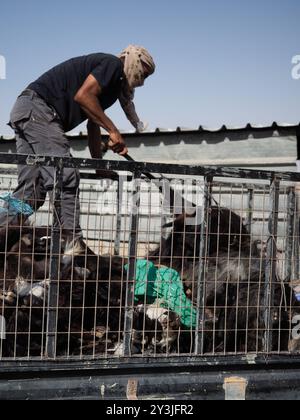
<point>92,288</point>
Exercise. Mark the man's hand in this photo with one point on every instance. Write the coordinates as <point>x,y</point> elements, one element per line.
<point>117,143</point>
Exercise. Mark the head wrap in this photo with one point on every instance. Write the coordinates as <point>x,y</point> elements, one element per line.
<point>134,57</point>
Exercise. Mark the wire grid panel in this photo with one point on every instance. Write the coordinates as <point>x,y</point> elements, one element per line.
<point>225,276</point>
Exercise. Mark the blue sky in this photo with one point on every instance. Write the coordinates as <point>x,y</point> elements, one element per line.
<point>218,61</point>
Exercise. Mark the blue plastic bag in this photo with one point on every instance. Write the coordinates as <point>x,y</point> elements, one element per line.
<point>15,206</point>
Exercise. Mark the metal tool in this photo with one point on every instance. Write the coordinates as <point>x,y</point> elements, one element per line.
<point>175,197</point>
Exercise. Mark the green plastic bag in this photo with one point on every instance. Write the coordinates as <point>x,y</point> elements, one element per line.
<point>145,278</point>
<point>164,284</point>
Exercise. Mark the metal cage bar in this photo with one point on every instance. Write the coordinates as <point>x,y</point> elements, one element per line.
<point>54,264</point>
<point>157,168</point>
<point>132,251</point>
<point>271,263</point>
<point>119,216</point>
<point>204,244</point>
<point>250,208</point>
<point>290,233</point>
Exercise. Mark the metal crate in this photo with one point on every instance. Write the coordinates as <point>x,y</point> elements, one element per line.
<point>237,261</point>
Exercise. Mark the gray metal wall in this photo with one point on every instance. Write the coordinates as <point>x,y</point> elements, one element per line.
<point>266,147</point>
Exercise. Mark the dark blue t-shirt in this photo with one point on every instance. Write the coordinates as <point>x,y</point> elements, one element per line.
<point>59,85</point>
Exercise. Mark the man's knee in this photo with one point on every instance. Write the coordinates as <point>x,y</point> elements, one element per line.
<point>71,179</point>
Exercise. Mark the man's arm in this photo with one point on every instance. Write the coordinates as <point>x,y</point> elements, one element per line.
<point>87,98</point>
<point>94,137</point>
<point>96,149</point>
<point>129,109</point>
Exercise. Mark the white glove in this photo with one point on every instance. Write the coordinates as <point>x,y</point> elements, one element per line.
<point>141,126</point>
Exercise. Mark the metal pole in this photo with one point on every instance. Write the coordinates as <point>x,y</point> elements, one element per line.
<point>271,264</point>
<point>167,210</point>
<point>132,255</point>
<point>250,209</point>
<point>290,235</point>
<point>297,238</point>
<point>120,186</point>
<point>297,223</point>
<point>51,333</point>
<point>204,249</point>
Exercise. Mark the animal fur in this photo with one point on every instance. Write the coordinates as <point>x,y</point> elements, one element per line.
<point>92,290</point>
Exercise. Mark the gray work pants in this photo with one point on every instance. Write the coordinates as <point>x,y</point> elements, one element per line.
<point>39,132</point>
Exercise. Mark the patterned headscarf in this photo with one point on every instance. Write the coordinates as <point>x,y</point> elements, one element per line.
<point>134,57</point>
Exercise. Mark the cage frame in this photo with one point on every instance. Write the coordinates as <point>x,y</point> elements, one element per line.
<point>137,169</point>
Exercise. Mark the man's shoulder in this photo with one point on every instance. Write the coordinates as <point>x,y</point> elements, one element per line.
<point>101,57</point>
<point>89,61</point>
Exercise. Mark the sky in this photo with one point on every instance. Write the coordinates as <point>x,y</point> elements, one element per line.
<point>218,61</point>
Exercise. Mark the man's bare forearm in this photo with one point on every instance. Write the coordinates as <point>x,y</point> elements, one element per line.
<point>94,137</point>
<point>96,114</point>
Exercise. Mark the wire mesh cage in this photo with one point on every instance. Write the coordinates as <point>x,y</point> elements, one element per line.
<point>177,266</point>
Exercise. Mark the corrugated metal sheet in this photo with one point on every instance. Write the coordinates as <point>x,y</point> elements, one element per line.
<point>256,146</point>
<point>202,128</point>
